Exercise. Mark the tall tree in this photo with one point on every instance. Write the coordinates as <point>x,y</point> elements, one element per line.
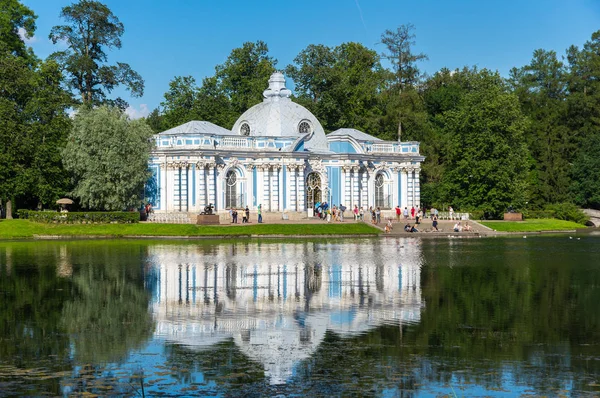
<point>237,85</point>
<point>399,51</point>
<point>542,90</point>
<point>340,85</point>
<point>487,159</point>
<point>583,116</point>
<point>92,29</point>
<point>244,75</point>
<point>16,21</point>
<point>108,156</point>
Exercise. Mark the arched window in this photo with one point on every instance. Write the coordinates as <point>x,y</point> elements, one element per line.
<point>313,190</point>
<point>231,196</point>
<point>304,127</point>
<point>245,129</point>
<point>380,199</point>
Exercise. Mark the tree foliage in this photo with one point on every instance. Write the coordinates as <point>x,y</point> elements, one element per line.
<point>237,85</point>
<point>399,52</point>
<point>108,156</point>
<point>92,29</point>
<point>16,19</point>
<point>33,119</point>
<point>486,163</point>
<point>340,85</point>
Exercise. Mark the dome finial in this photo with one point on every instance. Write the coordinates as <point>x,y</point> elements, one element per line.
<point>277,89</point>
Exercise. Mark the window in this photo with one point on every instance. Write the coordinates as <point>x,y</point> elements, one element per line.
<point>231,199</point>
<point>304,127</point>
<point>380,199</point>
<point>245,129</point>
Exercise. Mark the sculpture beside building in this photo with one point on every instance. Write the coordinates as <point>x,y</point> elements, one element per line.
<point>278,156</point>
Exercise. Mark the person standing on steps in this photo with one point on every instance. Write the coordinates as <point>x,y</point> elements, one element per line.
<point>260,214</point>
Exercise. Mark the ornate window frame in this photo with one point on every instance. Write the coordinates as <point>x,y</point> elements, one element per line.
<point>305,127</point>
<point>245,128</point>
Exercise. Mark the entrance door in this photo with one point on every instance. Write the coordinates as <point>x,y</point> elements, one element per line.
<point>313,190</point>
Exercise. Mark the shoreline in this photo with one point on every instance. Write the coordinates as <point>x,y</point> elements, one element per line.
<point>424,235</point>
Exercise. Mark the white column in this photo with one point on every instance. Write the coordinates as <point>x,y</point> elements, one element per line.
<point>404,189</point>
<point>343,186</point>
<point>355,187</point>
<point>188,186</point>
<point>364,193</point>
<point>260,178</point>
<point>295,172</point>
<point>249,185</point>
<point>171,175</point>
<point>163,186</point>
<point>280,188</point>
<point>396,200</point>
<point>301,189</point>
<point>268,189</point>
<point>201,184</point>
<point>210,185</point>
<point>417,188</point>
<point>370,189</point>
<point>219,189</point>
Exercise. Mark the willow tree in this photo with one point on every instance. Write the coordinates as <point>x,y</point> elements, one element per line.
<point>91,30</point>
<point>108,156</point>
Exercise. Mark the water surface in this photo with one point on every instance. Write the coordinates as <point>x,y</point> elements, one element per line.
<point>383,317</point>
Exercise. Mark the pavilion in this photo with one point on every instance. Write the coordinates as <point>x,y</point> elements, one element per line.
<point>277,155</point>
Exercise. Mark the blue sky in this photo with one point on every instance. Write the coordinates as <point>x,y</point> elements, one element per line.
<point>164,39</point>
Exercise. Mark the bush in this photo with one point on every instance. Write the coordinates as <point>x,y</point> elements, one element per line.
<point>536,214</point>
<point>569,212</point>
<point>120,217</point>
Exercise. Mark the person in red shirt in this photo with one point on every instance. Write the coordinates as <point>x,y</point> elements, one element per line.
<point>398,211</point>
<point>412,212</point>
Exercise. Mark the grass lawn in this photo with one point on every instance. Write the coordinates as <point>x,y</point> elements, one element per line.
<point>14,229</point>
<point>542,224</point>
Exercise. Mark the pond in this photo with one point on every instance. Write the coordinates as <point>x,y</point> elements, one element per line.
<point>377,317</point>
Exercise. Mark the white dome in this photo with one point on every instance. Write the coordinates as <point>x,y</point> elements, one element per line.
<point>278,116</point>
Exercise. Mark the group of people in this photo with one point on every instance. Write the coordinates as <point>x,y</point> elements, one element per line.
<point>233,214</point>
<point>462,228</point>
<point>330,213</point>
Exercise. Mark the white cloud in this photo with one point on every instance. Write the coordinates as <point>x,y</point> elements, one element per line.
<point>135,113</point>
<point>23,35</point>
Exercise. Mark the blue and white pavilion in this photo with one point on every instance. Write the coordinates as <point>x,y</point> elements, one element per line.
<point>277,155</point>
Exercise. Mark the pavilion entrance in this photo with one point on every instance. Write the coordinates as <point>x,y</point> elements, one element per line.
<point>314,192</point>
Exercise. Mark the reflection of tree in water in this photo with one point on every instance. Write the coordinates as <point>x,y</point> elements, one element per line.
<point>31,300</point>
<point>108,314</point>
<point>222,363</point>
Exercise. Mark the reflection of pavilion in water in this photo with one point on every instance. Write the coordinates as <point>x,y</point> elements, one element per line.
<point>276,301</point>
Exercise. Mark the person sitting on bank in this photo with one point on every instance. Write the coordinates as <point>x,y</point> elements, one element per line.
<point>467,227</point>
<point>389,224</point>
<point>408,228</point>
<point>457,227</point>
<point>414,228</point>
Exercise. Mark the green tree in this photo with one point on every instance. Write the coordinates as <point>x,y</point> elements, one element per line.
<point>487,159</point>
<point>108,156</point>
<point>244,75</point>
<point>541,87</point>
<point>180,104</point>
<point>340,85</point>
<point>15,20</point>
<point>91,29</point>
<point>583,118</point>
<point>237,85</point>
<point>586,173</point>
<point>404,101</point>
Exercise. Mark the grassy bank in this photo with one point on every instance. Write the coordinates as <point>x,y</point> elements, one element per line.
<point>14,229</point>
<point>533,225</point>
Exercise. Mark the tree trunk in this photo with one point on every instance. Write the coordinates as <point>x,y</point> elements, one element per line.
<point>9,210</point>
